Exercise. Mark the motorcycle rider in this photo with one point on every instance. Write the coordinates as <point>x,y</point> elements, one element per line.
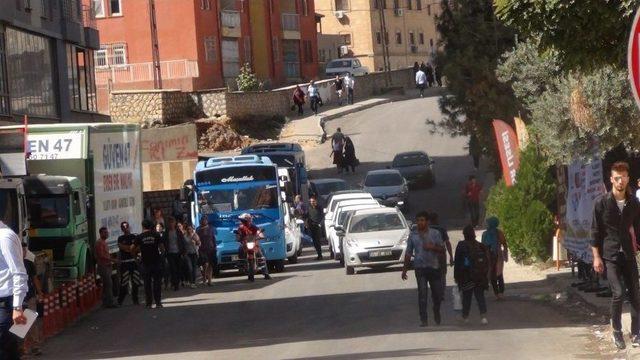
<point>245,231</point>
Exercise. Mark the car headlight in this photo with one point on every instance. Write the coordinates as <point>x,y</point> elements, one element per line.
<point>403,239</point>
<point>351,242</point>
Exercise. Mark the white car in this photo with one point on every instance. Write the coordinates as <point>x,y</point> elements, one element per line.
<point>373,238</point>
<point>335,198</point>
<point>345,65</point>
<point>332,238</point>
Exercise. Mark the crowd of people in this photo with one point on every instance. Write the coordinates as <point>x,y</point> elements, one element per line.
<point>342,85</point>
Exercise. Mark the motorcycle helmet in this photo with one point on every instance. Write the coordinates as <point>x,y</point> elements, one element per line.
<point>245,217</point>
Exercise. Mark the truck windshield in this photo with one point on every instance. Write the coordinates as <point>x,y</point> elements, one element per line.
<point>283,160</point>
<point>249,198</point>
<point>9,208</point>
<point>49,211</point>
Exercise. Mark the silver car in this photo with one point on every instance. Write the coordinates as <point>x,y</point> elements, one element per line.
<point>388,186</point>
<point>374,238</point>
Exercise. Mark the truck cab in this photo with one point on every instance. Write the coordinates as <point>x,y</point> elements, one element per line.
<point>13,206</point>
<point>57,210</point>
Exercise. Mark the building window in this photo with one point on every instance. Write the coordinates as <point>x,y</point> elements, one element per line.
<point>119,54</point>
<point>4,84</point>
<point>429,10</point>
<point>30,62</point>
<point>98,7</point>
<point>341,5</point>
<point>378,38</point>
<point>210,49</point>
<point>80,74</point>
<point>379,4</point>
<point>346,39</point>
<point>412,38</point>
<point>116,7</point>
<point>305,7</point>
<point>398,38</point>
<point>205,5</point>
<point>421,38</point>
<point>418,4</point>
<point>396,4</point>
<point>409,4</point>
<point>102,57</point>
<point>291,57</point>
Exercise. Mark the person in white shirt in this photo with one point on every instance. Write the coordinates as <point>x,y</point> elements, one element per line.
<point>349,83</point>
<point>13,289</point>
<point>314,96</point>
<point>421,81</point>
<point>638,191</point>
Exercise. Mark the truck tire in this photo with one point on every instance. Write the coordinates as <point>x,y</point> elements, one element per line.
<point>279,265</point>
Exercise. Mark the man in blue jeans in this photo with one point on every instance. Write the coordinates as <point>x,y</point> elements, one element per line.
<point>425,245</point>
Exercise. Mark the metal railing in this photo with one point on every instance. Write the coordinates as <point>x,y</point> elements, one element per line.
<point>89,17</point>
<point>139,72</point>
<point>292,69</point>
<point>230,18</point>
<point>290,22</point>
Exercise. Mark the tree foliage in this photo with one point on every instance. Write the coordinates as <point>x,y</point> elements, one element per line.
<point>247,79</point>
<point>473,41</point>
<point>523,209</point>
<point>587,33</point>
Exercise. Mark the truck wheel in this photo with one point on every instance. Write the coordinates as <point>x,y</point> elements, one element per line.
<point>350,270</point>
<point>293,259</point>
<point>279,265</point>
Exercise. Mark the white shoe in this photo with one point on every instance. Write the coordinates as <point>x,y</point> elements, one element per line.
<point>484,321</point>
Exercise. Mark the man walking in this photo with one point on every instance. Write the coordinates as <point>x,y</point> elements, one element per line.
<point>421,81</point>
<point>339,83</point>
<point>434,223</point>
<point>105,263</point>
<point>13,289</point>
<point>315,219</point>
<point>349,83</point>
<point>129,274</point>
<point>425,245</point>
<point>614,230</point>
<point>472,192</point>
<point>149,244</point>
<point>314,96</point>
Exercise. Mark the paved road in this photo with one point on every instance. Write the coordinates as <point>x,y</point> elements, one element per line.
<point>315,311</point>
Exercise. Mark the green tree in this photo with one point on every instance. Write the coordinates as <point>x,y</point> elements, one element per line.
<point>247,79</point>
<point>473,41</point>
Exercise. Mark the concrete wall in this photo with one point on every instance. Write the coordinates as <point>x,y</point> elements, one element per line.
<point>175,106</point>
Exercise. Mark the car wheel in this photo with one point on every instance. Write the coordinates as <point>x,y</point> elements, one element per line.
<point>341,255</point>
<point>293,259</point>
<point>350,270</point>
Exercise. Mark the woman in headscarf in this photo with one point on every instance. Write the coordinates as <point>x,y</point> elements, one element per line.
<point>350,160</point>
<point>298,99</point>
<point>493,238</point>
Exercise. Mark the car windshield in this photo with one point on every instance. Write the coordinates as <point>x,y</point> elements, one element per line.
<point>328,188</point>
<point>388,179</point>
<point>339,64</point>
<point>283,160</point>
<point>335,203</point>
<point>375,222</point>
<point>48,211</point>
<point>410,160</point>
<point>255,197</point>
<point>9,208</point>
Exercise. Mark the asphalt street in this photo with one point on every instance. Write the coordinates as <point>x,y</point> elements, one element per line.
<point>315,311</point>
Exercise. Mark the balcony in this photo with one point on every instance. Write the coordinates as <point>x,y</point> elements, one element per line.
<point>230,23</point>
<point>142,72</point>
<point>91,37</point>
<point>291,26</point>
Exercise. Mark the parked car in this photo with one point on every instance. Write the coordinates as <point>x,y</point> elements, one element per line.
<point>344,206</point>
<point>416,167</point>
<point>345,65</point>
<point>374,238</point>
<point>388,187</point>
<point>322,188</point>
<point>335,198</point>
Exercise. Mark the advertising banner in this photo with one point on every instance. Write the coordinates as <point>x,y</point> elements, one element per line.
<point>585,184</point>
<point>55,146</point>
<point>170,143</point>
<point>508,149</point>
<point>117,180</point>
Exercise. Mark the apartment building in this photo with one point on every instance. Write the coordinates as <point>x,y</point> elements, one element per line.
<point>355,28</point>
<point>46,61</point>
<point>203,43</point>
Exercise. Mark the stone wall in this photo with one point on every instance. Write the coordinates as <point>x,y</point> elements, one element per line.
<point>173,106</point>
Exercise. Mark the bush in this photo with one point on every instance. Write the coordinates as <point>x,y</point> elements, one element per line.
<point>247,79</point>
<point>523,209</point>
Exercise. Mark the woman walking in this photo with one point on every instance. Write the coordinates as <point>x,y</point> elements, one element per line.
<point>350,160</point>
<point>207,250</point>
<point>471,264</point>
<point>494,240</point>
<point>298,99</point>
<point>192,244</point>
<point>337,149</point>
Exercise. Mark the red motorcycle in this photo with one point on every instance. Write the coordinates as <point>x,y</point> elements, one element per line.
<point>250,259</point>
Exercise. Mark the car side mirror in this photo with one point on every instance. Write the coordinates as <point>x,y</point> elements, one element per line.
<point>340,233</point>
<point>299,222</point>
<point>338,227</point>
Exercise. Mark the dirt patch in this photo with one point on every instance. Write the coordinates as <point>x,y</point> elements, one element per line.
<point>259,127</point>
<point>216,135</point>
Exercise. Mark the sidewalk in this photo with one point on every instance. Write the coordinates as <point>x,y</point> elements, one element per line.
<point>307,127</point>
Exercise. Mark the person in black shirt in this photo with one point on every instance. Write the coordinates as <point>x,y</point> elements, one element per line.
<point>315,219</point>
<point>615,225</point>
<point>149,244</point>
<point>129,273</point>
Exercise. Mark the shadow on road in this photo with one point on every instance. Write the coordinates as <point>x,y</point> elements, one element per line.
<point>383,354</point>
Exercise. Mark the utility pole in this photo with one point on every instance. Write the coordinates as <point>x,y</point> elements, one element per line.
<point>385,43</point>
<point>155,50</point>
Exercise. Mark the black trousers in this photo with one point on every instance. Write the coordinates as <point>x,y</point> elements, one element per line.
<point>9,348</point>
<point>428,278</point>
<point>300,110</point>
<point>314,104</point>
<point>350,96</point>
<point>174,269</point>
<point>153,283</point>
<point>129,274</point>
<point>316,235</point>
<point>625,271</point>
<point>478,292</point>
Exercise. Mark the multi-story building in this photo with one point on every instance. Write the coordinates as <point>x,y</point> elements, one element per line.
<point>202,44</point>
<point>359,28</point>
<point>46,61</point>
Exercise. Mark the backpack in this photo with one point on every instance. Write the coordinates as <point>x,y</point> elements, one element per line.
<point>479,258</point>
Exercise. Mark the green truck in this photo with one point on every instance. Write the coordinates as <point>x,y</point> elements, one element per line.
<point>81,177</point>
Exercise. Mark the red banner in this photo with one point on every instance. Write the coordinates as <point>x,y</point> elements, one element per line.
<point>508,149</point>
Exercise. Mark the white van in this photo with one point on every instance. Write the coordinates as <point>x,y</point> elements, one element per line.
<point>345,65</point>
